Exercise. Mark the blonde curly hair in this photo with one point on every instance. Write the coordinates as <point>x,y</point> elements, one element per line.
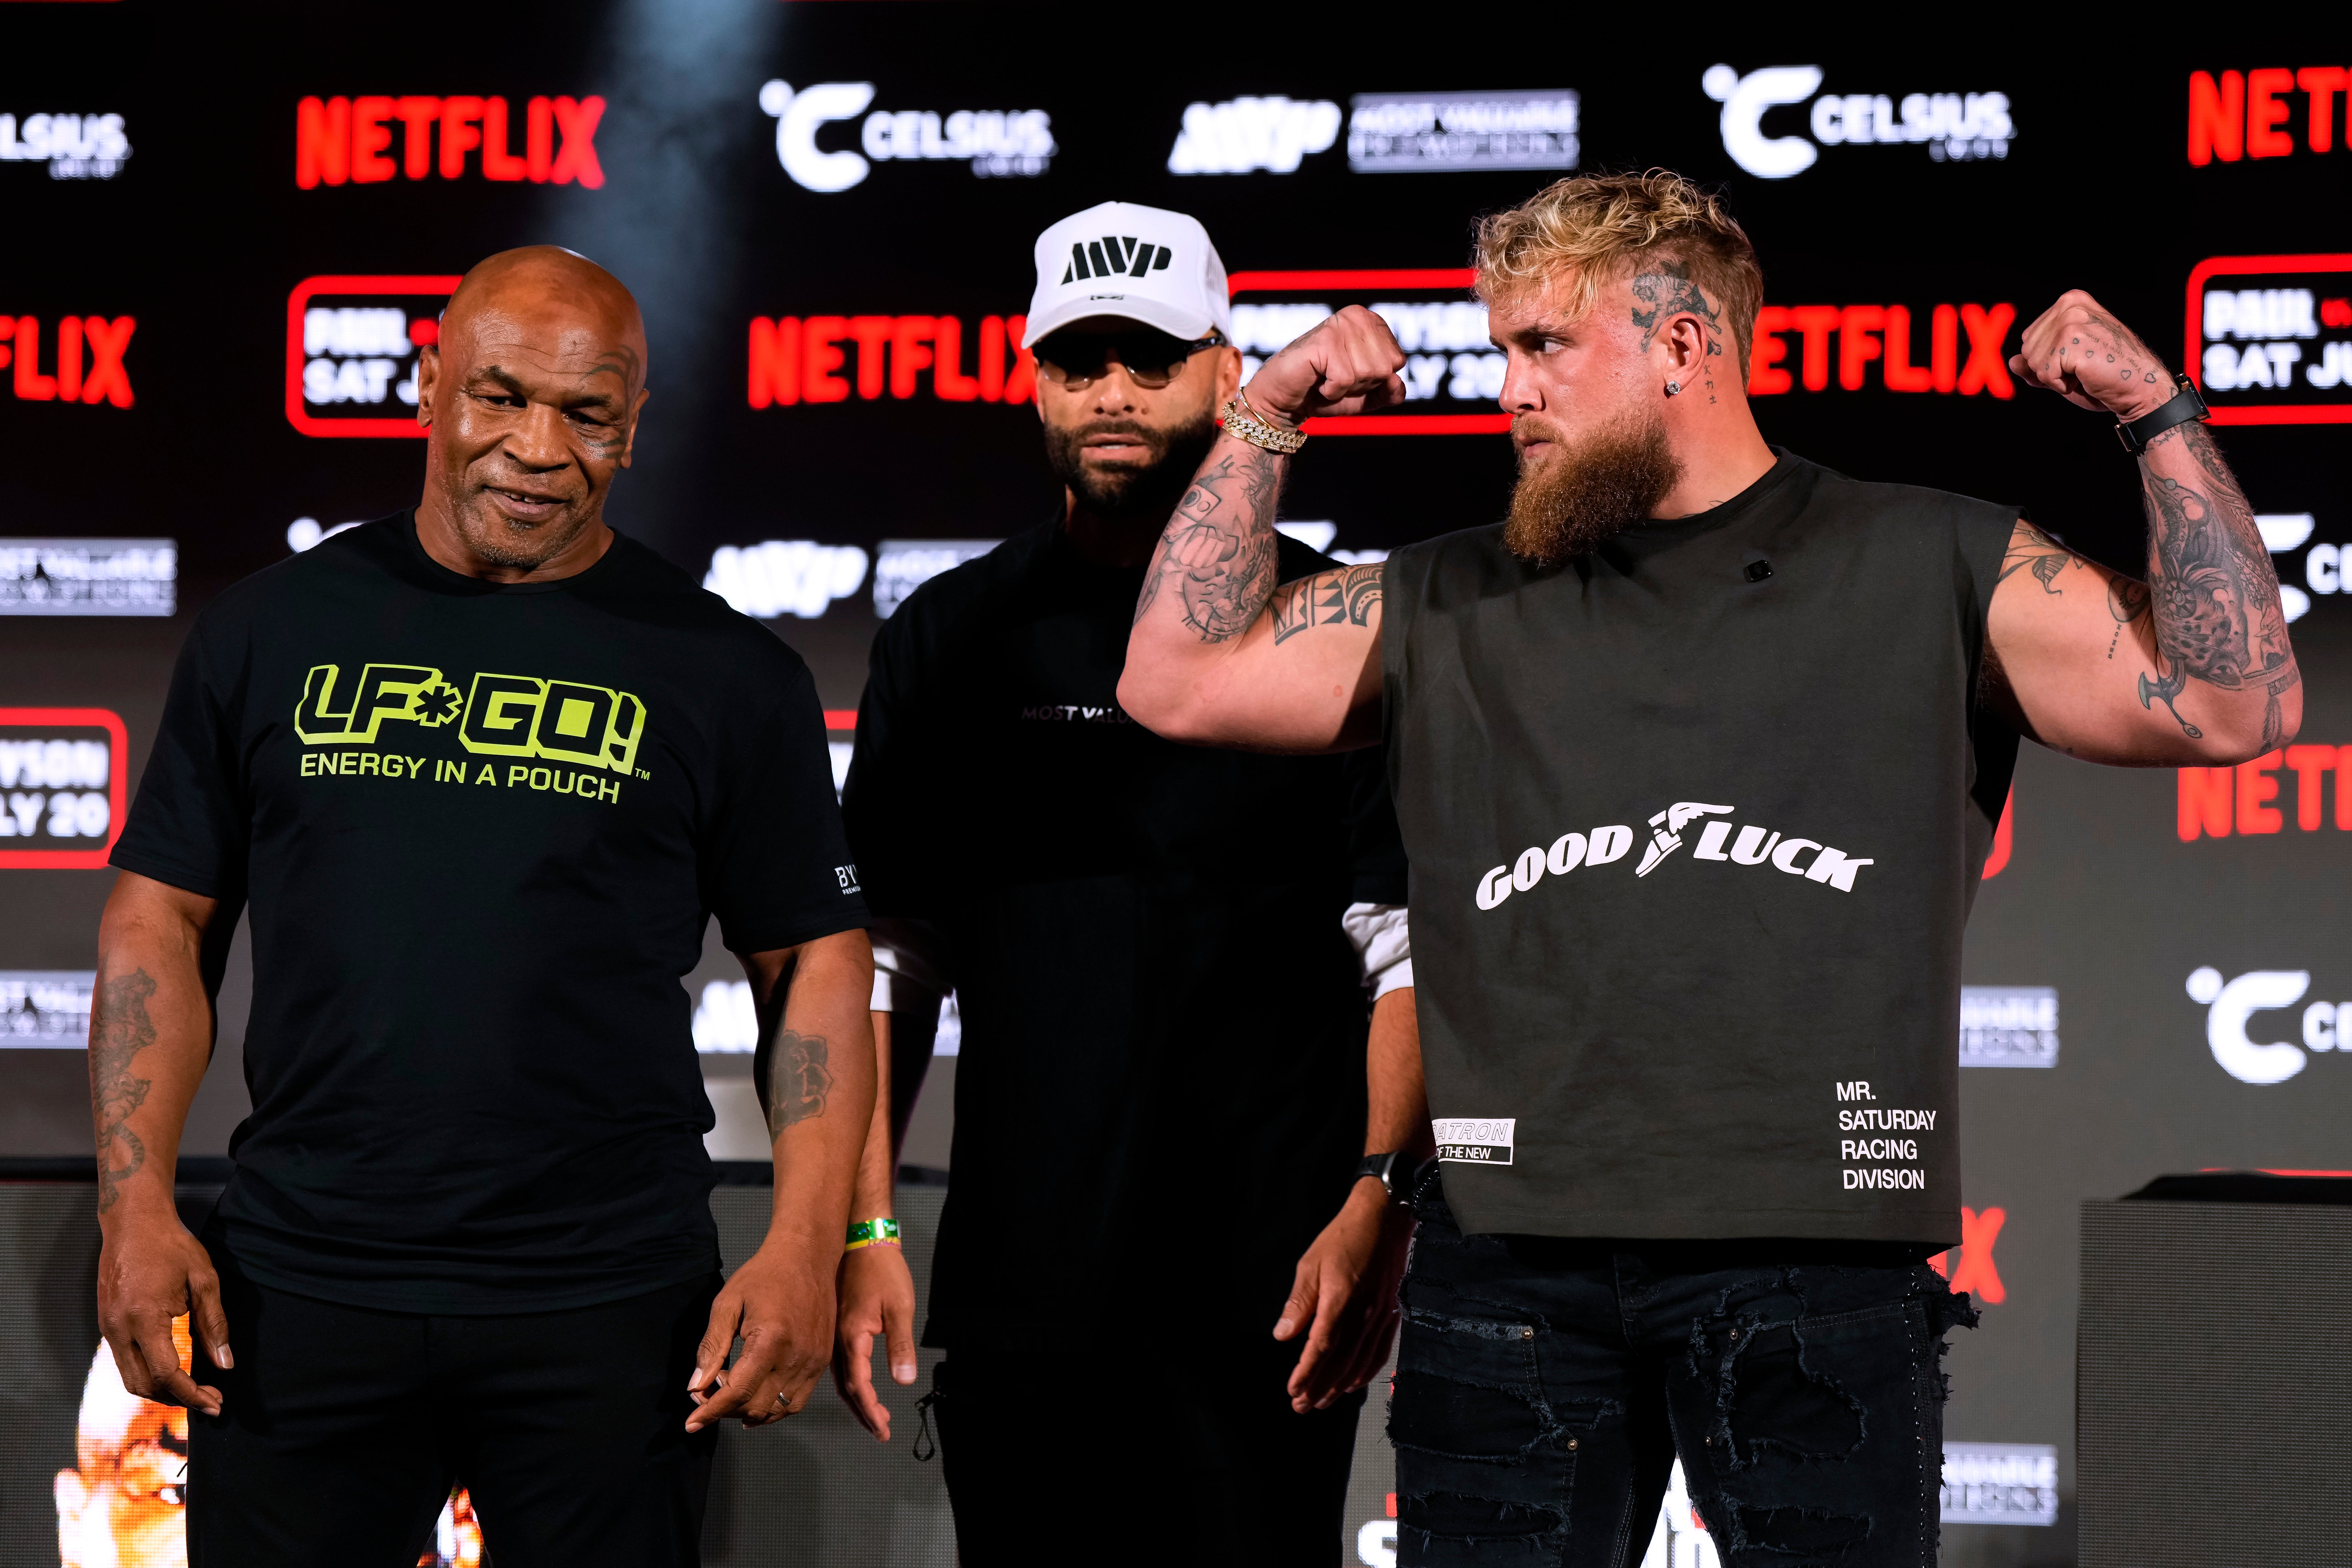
<point>1589,229</point>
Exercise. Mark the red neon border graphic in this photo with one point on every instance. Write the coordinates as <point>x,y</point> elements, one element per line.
<point>117,759</point>
<point>1377,277</point>
<point>2232,266</point>
<point>345,284</point>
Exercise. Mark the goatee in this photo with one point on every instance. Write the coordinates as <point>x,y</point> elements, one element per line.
<point>1148,490</point>
<point>1586,494</point>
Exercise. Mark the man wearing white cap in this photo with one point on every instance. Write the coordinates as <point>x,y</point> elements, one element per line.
<point>1160,1099</point>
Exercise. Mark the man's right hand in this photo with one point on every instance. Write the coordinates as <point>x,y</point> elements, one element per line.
<point>1347,364</point>
<point>877,1299</point>
<point>150,1271</point>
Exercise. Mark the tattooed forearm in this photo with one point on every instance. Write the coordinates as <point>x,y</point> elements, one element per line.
<point>120,1029</point>
<point>1220,546</point>
<point>1328,599</point>
<point>799,1080</point>
<point>2211,583</point>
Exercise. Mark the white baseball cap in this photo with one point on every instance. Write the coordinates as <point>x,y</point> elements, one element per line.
<point>1147,264</point>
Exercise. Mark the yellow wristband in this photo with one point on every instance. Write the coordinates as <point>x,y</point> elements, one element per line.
<point>882,1232</point>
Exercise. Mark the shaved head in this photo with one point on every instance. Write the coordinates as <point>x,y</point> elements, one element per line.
<point>534,277</point>
<point>529,402</point>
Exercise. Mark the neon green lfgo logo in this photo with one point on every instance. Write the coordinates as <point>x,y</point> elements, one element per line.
<point>501,716</point>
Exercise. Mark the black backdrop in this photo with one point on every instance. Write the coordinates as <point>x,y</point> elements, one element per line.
<point>204,234</point>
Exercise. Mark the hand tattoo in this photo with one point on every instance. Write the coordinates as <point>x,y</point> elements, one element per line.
<point>1224,565</point>
<point>1669,292</point>
<point>799,1082</point>
<point>1328,599</point>
<point>2214,592</point>
<point>119,1030</point>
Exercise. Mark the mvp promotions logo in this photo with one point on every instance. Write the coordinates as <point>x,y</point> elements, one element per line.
<point>566,723</point>
<point>351,348</point>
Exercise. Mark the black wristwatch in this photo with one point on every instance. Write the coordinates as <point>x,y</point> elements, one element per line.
<point>2186,403</point>
<point>1398,1173</point>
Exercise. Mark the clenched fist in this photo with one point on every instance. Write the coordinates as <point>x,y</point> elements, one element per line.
<point>2080,352</point>
<point>1347,364</point>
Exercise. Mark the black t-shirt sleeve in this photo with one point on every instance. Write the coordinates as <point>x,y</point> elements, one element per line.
<point>776,867</point>
<point>900,751</point>
<point>191,823</point>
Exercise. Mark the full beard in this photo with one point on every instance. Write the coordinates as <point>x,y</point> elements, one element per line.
<point>1148,491</point>
<point>1584,495</point>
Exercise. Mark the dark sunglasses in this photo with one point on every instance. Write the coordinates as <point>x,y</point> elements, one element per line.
<point>1151,358</point>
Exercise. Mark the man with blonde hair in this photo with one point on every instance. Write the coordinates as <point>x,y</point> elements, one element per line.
<point>1696,756</point>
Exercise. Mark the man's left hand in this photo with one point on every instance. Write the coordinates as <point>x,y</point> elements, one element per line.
<point>1345,1298</point>
<point>2079,351</point>
<point>781,1305</point>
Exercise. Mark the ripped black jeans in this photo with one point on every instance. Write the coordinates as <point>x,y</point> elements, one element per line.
<point>1544,1388</point>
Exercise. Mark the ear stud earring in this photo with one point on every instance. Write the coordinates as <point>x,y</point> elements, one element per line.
<point>1673,387</point>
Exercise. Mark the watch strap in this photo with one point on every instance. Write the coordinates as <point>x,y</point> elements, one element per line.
<point>2185,405</point>
<point>1397,1173</point>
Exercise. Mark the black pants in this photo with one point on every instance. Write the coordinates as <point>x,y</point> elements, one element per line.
<point>1544,1389</point>
<point>1048,1461</point>
<point>342,1429</point>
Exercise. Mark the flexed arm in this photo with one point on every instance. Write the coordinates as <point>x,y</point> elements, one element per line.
<point>2194,666</point>
<point>1221,655</point>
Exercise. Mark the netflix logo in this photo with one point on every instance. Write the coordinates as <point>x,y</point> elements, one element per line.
<point>341,140</point>
<point>823,359</point>
<point>85,365</point>
<point>2247,799</point>
<point>2252,114</point>
<point>1877,344</point>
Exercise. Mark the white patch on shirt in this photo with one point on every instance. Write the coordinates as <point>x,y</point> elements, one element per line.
<point>1475,1140</point>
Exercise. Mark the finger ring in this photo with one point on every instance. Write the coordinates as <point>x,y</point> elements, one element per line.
<point>780,1396</point>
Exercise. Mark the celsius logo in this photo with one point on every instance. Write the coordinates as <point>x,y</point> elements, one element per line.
<point>2228,1005</point>
<point>997,144</point>
<point>1668,829</point>
<point>1956,127</point>
<point>1246,134</point>
<point>74,146</point>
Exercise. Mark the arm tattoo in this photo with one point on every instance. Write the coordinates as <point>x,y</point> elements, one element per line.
<point>120,1031</point>
<point>799,1082</point>
<point>1220,546</point>
<point>1669,292</point>
<point>2030,547</point>
<point>2214,592</point>
<point>1328,599</point>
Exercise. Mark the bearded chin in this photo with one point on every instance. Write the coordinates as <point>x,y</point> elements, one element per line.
<point>1582,497</point>
<point>1149,493</point>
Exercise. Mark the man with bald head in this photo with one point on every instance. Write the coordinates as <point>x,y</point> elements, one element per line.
<point>481,771</point>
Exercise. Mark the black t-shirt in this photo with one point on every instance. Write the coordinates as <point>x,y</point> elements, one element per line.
<point>1160,1099</point>
<point>481,829</point>
<point>1694,823</point>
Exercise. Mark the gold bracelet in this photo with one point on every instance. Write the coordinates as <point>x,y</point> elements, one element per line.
<point>1242,424</point>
